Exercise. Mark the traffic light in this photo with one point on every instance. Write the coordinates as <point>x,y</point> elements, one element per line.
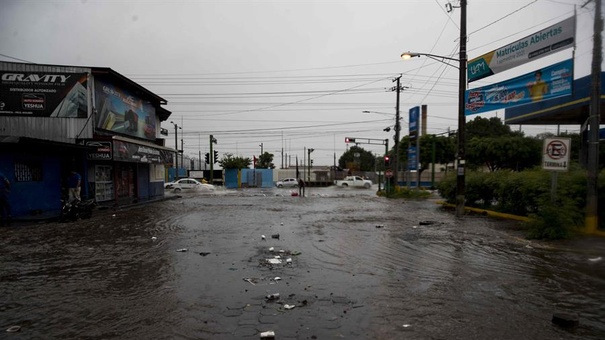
<point>207,157</point>
<point>387,160</point>
<point>349,140</point>
<point>215,156</point>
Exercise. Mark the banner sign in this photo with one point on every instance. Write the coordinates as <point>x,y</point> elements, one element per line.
<point>120,111</point>
<point>413,158</point>
<point>42,94</point>
<point>549,82</point>
<point>555,154</point>
<point>540,44</point>
<point>414,117</point>
<point>131,152</point>
<point>101,150</point>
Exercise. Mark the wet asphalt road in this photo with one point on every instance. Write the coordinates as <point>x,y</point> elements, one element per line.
<point>362,267</point>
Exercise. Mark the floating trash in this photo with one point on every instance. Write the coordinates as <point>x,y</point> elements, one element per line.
<point>277,278</point>
<point>379,226</point>
<point>267,335</point>
<point>272,297</point>
<point>204,253</point>
<point>13,329</point>
<point>182,250</point>
<point>275,236</point>
<point>282,223</point>
<point>406,325</point>
<point>274,261</point>
<point>595,259</point>
<point>251,281</point>
<point>153,238</point>
<point>271,249</point>
<point>426,222</point>
<point>414,227</point>
<point>288,307</point>
<point>263,237</point>
<point>289,260</point>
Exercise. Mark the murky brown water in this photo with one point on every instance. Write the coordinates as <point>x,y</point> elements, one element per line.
<point>362,267</point>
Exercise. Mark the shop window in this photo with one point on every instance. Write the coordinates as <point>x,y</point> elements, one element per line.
<point>28,171</point>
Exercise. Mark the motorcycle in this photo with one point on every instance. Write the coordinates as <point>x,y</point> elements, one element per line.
<point>75,210</point>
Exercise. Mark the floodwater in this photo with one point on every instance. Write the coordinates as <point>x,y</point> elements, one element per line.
<point>360,267</point>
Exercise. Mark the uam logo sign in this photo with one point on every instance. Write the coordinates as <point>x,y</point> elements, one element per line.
<point>555,154</point>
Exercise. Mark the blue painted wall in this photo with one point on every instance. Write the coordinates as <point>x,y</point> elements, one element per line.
<point>35,199</point>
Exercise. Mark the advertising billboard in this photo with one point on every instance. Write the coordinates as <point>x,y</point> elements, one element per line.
<point>414,118</point>
<point>546,83</point>
<point>540,44</point>
<point>41,94</point>
<point>118,110</point>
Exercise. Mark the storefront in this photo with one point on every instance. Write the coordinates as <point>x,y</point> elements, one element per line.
<point>125,171</point>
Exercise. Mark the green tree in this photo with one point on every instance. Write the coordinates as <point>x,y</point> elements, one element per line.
<point>503,152</point>
<point>231,162</point>
<point>445,150</point>
<point>488,127</point>
<point>365,161</point>
<point>265,161</point>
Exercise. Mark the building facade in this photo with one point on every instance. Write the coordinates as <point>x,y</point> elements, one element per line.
<point>57,119</point>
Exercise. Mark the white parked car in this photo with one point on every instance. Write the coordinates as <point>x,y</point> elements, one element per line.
<point>287,183</point>
<point>189,184</point>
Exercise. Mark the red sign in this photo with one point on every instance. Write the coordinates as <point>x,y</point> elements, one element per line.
<point>388,173</point>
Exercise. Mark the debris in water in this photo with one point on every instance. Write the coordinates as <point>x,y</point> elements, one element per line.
<point>595,259</point>
<point>274,261</point>
<point>182,250</point>
<point>565,320</point>
<point>267,335</point>
<point>263,237</point>
<point>406,325</point>
<point>288,307</point>
<point>250,280</point>
<point>272,297</point>
<point>271,249</point>
<point>379,226</point>
<point>275,236</point>
<point>426,222</point>
<point>13,329</point>
<point>204,253</point>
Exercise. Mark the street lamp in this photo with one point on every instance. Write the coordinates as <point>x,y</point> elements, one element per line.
<point>460,182</point>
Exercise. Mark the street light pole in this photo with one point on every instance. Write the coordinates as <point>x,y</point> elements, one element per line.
<point>460,182</point>
<point>461,154</point>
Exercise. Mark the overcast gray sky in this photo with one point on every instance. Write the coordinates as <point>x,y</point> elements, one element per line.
<point>287,74</point>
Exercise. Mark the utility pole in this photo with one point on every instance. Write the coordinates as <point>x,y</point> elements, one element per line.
<point>460,175</point>
<point>592,195</point>
<point>398,89</point>
<point>176,147</point>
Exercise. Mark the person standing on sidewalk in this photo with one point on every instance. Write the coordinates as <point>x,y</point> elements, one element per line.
<point>74,182</point>
<point>5,208</point>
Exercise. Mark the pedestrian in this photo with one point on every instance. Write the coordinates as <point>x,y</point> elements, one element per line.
<point>301,187</point>
<point>5,208</point>
<point>74,182</point>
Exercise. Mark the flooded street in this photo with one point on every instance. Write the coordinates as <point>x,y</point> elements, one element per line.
<point>353,265</point>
